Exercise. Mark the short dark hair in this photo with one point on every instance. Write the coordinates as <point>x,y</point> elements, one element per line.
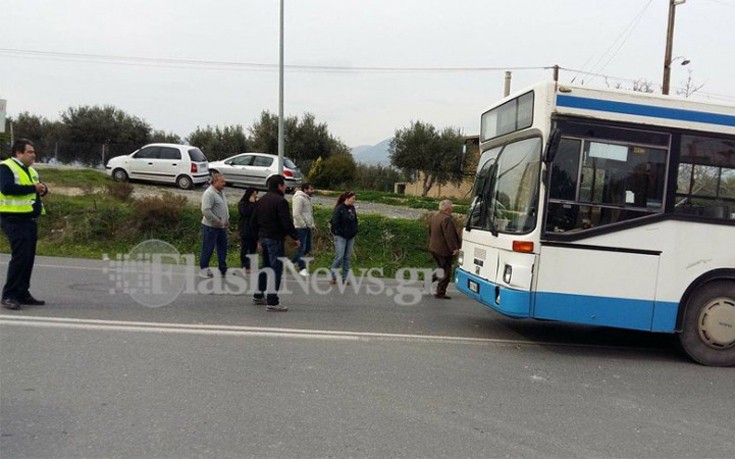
<point>275,181</point>
<point>305,186</point>
<point>19,146</point>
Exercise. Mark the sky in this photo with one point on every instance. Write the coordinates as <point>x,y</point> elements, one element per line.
<point>364,67</point>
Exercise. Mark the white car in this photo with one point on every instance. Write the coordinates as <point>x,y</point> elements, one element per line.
<point>184,165</point>
<point>254,169</point>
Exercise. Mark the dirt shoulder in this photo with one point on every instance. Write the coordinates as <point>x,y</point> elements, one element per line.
<point>194,196</point>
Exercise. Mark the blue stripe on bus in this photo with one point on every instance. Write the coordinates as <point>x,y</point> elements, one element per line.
<point>627,313</point>
<point>644,110</point>
<point>646,315</point>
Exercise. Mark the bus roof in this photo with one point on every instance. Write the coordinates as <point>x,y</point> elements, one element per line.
<point>635,107</point>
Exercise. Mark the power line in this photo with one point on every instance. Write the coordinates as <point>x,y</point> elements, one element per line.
<point>624,35</point>
<point>242,66</point>
<point>253,66</point>
<point>721,2</point>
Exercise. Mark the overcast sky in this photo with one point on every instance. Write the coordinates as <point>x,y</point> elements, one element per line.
<point>348,40</point>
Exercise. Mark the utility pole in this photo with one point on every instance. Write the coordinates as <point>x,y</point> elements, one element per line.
<point>669,45</point>
<point>280,98</point>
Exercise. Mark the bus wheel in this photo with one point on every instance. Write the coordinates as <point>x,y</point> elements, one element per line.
<point>708,334</point>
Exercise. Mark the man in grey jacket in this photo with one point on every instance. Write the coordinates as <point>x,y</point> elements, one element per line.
<point>215,221</point>
<point>303,220</point>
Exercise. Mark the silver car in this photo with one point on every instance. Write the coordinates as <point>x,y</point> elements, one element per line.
<point>254,169</point>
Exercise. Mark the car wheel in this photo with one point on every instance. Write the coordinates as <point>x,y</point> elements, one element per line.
<point>119,175</point>
<point>708,334</point>
<point>184,182</point>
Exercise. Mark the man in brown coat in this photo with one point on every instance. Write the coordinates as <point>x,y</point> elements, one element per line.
<point>443,245</point>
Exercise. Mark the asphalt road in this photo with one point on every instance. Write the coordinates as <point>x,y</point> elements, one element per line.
<point>95,373</point>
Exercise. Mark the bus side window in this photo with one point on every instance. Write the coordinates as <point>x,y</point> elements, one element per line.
<point>706,178</point>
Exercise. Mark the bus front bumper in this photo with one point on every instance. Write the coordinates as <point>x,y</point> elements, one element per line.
<point>510,302</point>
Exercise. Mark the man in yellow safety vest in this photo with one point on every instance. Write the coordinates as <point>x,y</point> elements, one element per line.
<point>20,205</point>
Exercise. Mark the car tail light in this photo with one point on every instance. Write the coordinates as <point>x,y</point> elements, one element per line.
<point>194,168</point>
<point>287,173</point>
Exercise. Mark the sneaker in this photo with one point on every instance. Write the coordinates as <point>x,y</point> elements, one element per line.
<point>276,308</point>
<point>304,272</point>
<point>259,301</point>
<point>205,273</point>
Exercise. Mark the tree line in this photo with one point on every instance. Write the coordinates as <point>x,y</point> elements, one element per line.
<point>91,135</point>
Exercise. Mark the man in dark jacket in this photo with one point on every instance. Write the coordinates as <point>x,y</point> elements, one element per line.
<point>443,245</point>
<point>20,205</point>
<point>272,222</point>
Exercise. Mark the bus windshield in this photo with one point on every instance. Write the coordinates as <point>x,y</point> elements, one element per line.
<point>506,188</point>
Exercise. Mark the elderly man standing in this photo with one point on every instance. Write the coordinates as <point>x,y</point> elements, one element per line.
<point>215,221</point>
<point>443,245</point>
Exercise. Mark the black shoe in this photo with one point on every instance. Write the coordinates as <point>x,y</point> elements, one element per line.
<point>10,303</point>
<point>32,301</point>
<point>442,296</point>
<point>259,300</point>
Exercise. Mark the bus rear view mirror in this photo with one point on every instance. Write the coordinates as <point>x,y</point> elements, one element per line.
<point>552,145</point>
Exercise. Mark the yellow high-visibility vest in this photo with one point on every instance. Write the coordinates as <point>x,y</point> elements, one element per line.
<point>20,204</point>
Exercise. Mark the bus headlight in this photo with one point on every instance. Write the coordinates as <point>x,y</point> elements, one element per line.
<point>507,274</point>
<point>460,258</point>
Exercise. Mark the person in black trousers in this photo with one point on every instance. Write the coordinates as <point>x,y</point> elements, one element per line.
<point>248,238</point>
<point>20,205</point>
<point>272,222</point>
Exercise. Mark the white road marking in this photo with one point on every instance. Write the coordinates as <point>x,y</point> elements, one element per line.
<point>234,330</point>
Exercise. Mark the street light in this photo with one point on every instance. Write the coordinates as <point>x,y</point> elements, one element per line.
<point>669,46</point>
<point>281,126</point>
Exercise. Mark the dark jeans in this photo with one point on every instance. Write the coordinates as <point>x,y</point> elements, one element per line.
<point>248,246</point>
<point>272,250</point>
<point>444,263</point>
<point>23,235</point>
<point>211,238</point>
<point>304,248</point>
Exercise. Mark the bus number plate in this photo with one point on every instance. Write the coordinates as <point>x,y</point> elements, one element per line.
<point>474,286</point>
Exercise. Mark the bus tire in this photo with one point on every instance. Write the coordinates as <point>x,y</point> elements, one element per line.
<point>708,329</point>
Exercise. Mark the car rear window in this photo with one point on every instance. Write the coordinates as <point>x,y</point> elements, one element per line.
<point>262,161</point>
<point>170,153</point>
<point>290,164</point>
<point>197,156</point>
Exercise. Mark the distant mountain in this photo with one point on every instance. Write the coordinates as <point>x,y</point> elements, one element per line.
<point>375,154</point>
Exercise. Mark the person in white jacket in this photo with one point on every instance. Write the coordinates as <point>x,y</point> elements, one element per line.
<point>303,220</point>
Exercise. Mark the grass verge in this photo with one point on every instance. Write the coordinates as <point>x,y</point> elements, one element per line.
<point>97,223</point>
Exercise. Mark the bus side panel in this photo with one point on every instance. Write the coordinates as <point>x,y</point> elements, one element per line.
<point>598,287</point>
<point>664,316</point>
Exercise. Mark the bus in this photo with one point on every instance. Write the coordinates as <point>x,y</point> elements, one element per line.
<point>609,208</point>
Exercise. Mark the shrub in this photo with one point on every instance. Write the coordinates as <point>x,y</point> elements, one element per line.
<point>154,212</point>
<point>120,190</point>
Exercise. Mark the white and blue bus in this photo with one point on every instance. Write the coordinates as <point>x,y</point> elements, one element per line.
<point>610,208</point>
